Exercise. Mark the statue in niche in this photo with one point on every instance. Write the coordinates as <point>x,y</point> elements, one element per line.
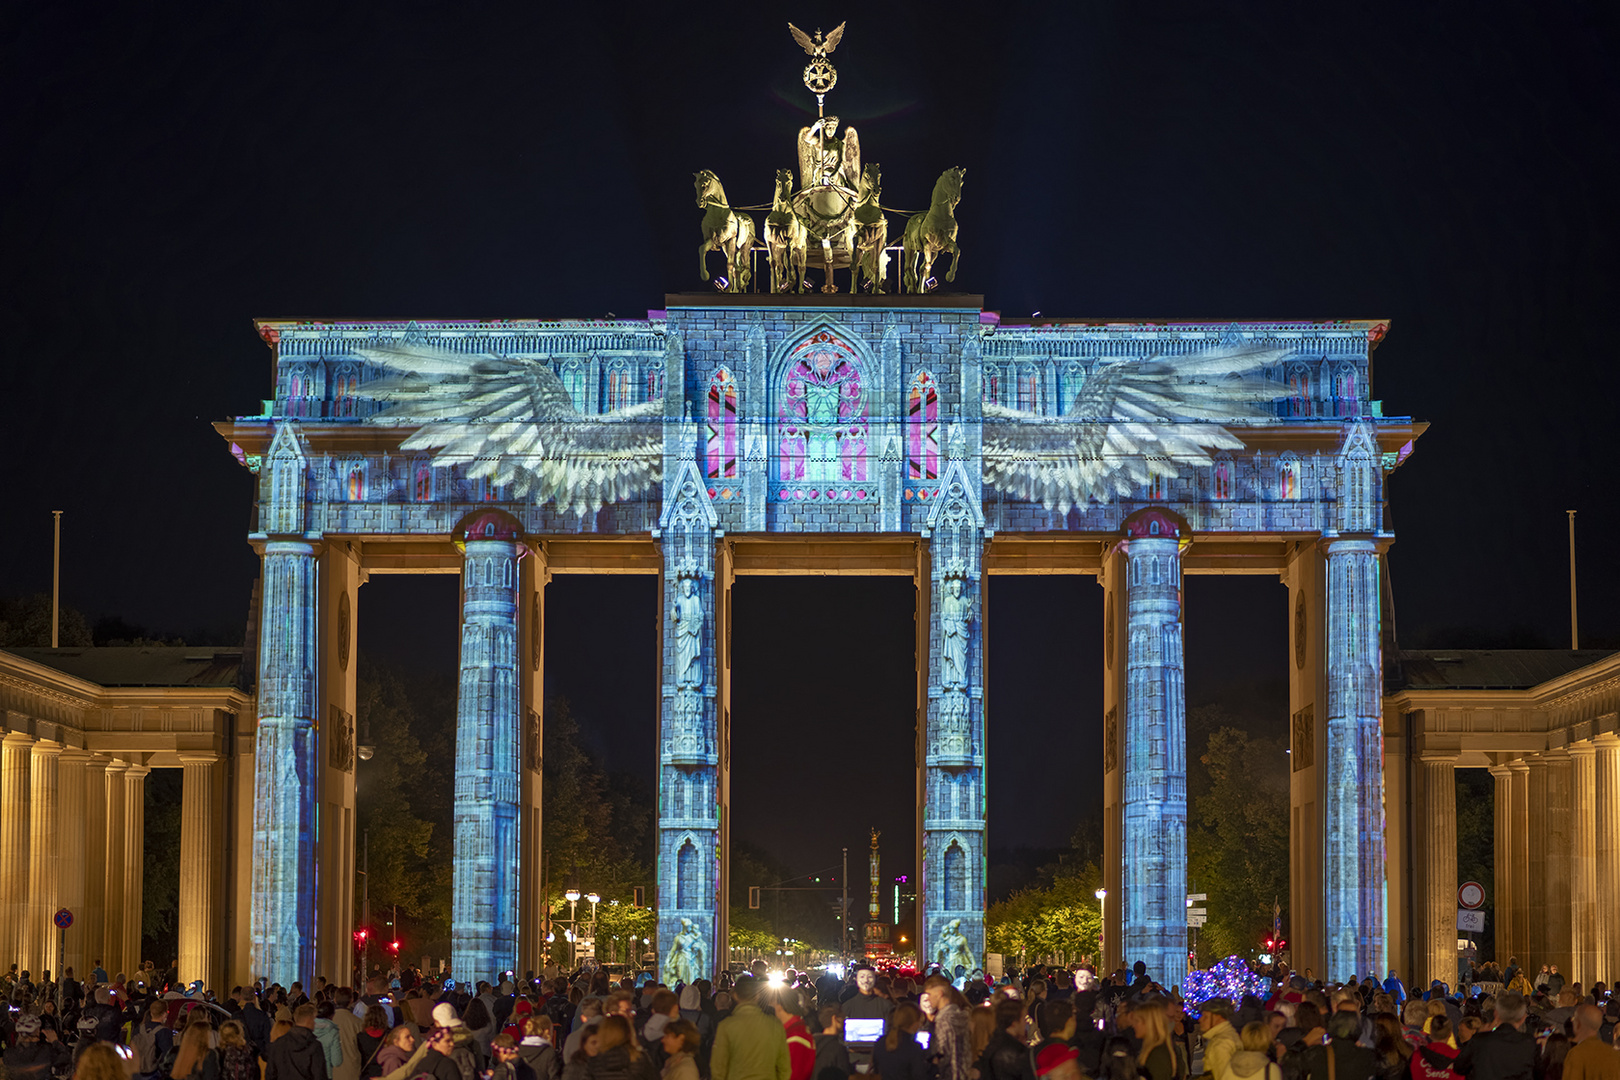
<point>955,954</point>
<point>684,961</point>
<point>686,618</point>
<point>955,612</point>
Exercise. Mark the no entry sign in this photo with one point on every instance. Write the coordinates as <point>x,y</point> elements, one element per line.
<point>1471,895</point>
<point>63,918</point>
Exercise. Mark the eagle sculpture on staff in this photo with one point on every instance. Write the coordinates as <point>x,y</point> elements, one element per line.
<point>818,46</point>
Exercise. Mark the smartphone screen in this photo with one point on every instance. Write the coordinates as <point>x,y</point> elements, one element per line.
<point>922,1039</point>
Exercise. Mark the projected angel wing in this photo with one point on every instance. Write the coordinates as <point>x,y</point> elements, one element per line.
<point>803,39</point>
<point>830,42</point>
<point>511,419</point>
<point>1157,414</point>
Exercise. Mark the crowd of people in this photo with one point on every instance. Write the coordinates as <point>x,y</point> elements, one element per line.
<point>1046,1024</point>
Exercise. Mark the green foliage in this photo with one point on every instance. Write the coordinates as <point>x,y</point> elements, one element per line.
<point>1476,846</point>
<point>1237,839</point>
<point>595,829</point>
<point>25,622</point>
<point>1062,920</point>
<point>620,929</point>
<point>799,911</point>
<point>402,868</point>
<point>160,869</point>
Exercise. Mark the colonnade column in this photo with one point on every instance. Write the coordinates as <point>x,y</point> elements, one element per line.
<point>112,924</point>
<point>1154,803</point>
<point>1607,842</point>
<point>135,863</point>
<point>39,944</point>
<point>70,841</point>
<point>531,706</point>
<point>1583,894</point>
<point>198,868</point>
<point>1353,880</point>
<point>484,910</point>
<point>1555,877</point>
<point>1518,857</point>
<point>92,923</point>
<point>16,751</point>
<point>1501,845</point>
<point>284,793</point>
<point>1438,828</point>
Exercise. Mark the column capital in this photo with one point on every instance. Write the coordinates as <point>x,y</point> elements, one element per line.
<point>18,738</point>
<point>76,755</point>
<point>1581,750</point>
<point>198,757</point>
<point>1500,771</point>
<point>47,748</point>
<point>1607,741</point>
<point>1438,757</point>
<point>1519,766</point>
<point>137,772</point>
<point>117,765</point>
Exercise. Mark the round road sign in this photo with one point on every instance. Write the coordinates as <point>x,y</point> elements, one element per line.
<point>63,918</point>
<point>1471,895</point>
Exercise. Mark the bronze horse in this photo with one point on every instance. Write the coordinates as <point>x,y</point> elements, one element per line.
<point>869,233</point>
<point>933,231</point>
<point>786,238</point>
<point>724,230</point>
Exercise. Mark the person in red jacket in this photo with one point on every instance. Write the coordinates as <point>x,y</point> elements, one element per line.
<point>1439,1043</point>
<point>801,1047</point>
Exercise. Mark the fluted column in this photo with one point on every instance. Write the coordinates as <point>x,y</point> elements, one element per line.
<point>15,755</point>
<point>1353,878</point>
<point>1155,780</point>
<point>1502,846</point>
<point>197,867</point>
<point>483,929</point>
<point>284,773</point>
<point>134,862</point>
<point>1519,855</point>
<point>70,863</point>
<point>1583,895</point>
<point>39,945</point>
<point>1607,818</point>
<point>93,924</point>
<point>112,923</point>
<point>1439,830</point>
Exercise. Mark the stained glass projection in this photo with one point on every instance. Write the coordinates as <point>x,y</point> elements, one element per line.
<point>721,456</point>
<point>822,421</point>
<point>922,429</point>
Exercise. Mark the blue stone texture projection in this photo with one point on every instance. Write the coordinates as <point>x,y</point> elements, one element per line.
<point>735,420</point>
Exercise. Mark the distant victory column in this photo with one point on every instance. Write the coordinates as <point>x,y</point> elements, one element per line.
<point>877,931</point>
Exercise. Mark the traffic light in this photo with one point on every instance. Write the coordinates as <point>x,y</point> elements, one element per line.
<point>753,896</point>
<point>639,899</point>
<point>360,936</point>
<point>393,947</point>
<point>1281,944</point>
<point>1271,945</point>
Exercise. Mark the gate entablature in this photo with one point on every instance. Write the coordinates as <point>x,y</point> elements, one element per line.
<point>684,443</point>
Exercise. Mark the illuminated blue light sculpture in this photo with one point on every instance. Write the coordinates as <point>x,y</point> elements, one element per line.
<point>724,419</point>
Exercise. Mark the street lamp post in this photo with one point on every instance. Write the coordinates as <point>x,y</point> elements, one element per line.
<point>1102,943</point>
<point>594,899</point>
<point>572,896</point>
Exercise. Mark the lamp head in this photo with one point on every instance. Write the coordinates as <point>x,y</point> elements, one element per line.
<point>572,896</point>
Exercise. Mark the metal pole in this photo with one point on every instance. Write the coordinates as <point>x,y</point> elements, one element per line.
<point>56,571</point>
<point>843,920</point>
<point>1574,622</point>
<point>365,907</point>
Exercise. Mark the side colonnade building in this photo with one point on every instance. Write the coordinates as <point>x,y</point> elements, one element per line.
<point>83,729</point>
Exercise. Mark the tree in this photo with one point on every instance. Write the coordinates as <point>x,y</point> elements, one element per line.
<point>592,827</point>
<point>401,870</point>
<point>1237,840</point>
<point>1061,920</point>
<point>25,622</point>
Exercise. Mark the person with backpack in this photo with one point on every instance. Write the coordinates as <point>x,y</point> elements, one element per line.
<point>151,1039</point>
<point>297,1053</point>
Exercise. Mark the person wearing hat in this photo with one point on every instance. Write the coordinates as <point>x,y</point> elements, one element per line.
<point>508,1061</point>
<point>1057,1061</point>
<point>35,1055</point>
<point>463,1051</point>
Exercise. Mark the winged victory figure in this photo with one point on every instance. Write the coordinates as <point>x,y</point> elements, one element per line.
<point>1130,419</point>
<point>511,419</point>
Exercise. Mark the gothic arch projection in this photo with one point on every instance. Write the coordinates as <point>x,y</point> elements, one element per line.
<point>720,452</point>
<point>937,411</point>
<point>822,405</point>
<point>956,878</point>
<point>355,481</point>
<point>1289,478</point>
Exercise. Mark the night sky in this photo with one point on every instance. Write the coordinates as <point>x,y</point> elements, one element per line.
<point>171,172</point>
